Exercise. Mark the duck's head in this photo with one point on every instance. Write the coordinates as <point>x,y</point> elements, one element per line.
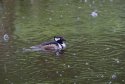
<point>59,39</point>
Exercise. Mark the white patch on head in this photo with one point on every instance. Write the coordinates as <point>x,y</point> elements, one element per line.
<point>56,39</point>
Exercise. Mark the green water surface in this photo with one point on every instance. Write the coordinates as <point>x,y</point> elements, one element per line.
<point>95,51</point>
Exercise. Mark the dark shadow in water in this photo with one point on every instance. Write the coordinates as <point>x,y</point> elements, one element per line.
<point>6,32</point>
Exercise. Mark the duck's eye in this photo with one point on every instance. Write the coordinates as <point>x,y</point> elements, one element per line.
<point>56,39</point>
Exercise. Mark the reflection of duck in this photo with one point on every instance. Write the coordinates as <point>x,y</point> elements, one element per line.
<point>56,46</point>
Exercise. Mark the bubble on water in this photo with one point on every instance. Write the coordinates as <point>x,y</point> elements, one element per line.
<point>86,63</point>
<point>94,14</point>
<point>6,37</point>
<point>68,66</point>
<point>60,75</point>
<point>114,76</point>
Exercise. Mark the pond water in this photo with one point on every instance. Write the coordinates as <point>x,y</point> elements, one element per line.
<point>95,34</point>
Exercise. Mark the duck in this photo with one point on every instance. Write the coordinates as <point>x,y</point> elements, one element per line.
<point>56,46</point>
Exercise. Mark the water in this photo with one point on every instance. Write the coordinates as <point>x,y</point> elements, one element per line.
<point>95,45</point>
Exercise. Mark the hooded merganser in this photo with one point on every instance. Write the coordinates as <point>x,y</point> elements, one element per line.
<point>55,46</point>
